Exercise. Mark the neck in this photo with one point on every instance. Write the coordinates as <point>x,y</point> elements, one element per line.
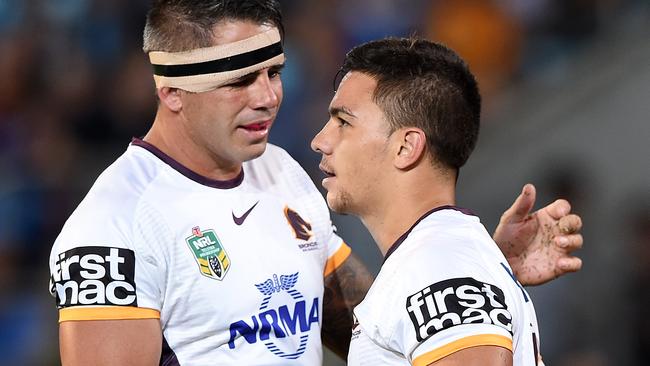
<point>168,135</point>
<point>408,201</point>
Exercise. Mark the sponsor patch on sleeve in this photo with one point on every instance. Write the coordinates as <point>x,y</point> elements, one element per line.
<point>95,276</point>
<point>456,301</point>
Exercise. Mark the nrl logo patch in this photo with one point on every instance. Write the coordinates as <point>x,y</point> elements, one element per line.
<point>209,253</point>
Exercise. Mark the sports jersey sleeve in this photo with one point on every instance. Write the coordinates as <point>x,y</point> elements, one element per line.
<point>337,252</point>
<point>101,267</point>
<point>454,314</point>
<point>442,304</point>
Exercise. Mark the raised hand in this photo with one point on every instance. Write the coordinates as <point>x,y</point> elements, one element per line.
<point>538,246</point>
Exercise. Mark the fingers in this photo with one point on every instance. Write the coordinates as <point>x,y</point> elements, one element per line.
<point>570,224</point>
<point>520,209</point>
<point>569,264</point>
<point>569,242</point>
<point>558,209</point>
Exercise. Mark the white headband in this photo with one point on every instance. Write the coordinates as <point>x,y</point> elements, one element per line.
<point>205,69</point>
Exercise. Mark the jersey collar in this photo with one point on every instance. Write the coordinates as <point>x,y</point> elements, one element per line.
<point>401,239</point>
<point>220,184</point>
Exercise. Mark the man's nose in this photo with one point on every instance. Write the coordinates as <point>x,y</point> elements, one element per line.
<point>319,143</point>
<point>264,95</point>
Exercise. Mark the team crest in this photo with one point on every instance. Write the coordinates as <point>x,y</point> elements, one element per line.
<point>209,253</point>
<point>301,228</point>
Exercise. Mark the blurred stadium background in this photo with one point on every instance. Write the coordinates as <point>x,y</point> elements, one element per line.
<point>566,87</point>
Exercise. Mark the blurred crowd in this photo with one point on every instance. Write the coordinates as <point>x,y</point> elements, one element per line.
<point>75,87</point>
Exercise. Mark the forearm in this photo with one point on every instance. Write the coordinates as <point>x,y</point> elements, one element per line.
<point>344,289</point>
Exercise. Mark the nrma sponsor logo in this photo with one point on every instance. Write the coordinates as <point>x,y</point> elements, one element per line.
<point>284,329</point>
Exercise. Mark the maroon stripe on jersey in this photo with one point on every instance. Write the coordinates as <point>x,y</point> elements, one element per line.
<point>401,239</point>
<point>221,184</point>
<point>168,357</point>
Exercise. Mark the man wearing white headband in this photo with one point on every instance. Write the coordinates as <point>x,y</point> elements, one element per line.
<point>202,244</point>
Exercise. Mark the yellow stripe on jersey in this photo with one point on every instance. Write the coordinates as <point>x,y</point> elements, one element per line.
<point>337,259</point>
<point>463,343</point>
<point>224,260</point>
<point>107,313</point>
<point>204,267</point>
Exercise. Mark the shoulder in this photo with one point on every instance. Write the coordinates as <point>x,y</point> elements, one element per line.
<point>451,239</point>
<point>110,206</point>
<point>446,254</point>
<point>119,189</point>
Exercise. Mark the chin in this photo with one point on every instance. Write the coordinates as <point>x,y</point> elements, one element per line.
<point>254,151</point>
<point>339,203</point>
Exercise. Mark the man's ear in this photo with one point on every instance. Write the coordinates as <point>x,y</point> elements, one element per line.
<point>411,142</point>
<point>171,98</point>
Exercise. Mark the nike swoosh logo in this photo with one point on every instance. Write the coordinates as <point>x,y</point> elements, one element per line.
<point>240,220</point>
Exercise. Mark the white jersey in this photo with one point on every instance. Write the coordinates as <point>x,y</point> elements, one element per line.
<point>233,269</point>
<point>443,287</point>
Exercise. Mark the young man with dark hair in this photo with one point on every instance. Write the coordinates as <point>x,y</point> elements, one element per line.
<point>403,121</point>
<point>203,244</point>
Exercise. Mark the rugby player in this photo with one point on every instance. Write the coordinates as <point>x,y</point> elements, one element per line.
<point>203,244</point>
<point>403,121</point>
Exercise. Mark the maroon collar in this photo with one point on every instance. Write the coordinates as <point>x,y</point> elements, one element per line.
<point>220,184</point>
<point>401,239</point>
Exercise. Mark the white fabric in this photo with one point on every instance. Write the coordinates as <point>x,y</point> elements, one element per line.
<point>271,285</point>
<point>447,245</point>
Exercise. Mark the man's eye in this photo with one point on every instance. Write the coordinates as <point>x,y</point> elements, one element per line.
<point>241,82</point>
<point>342,122</point>
<point>274,73</point>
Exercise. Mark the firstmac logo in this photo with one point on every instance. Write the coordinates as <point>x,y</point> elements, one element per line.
<point>457,301</point>
<point>95,276</point>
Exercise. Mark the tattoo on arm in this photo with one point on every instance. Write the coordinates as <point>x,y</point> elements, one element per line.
<point>344,289</point>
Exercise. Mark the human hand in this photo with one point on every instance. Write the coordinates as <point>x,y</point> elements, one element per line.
<point>538,246</point>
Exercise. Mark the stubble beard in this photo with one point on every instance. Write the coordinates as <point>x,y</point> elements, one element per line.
<point>340,203</point>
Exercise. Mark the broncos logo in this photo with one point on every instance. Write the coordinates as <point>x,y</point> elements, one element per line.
<point>301,228</point>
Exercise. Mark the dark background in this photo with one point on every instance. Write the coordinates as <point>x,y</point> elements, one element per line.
<point>566,88</point>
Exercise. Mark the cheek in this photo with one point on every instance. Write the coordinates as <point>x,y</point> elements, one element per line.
<point>360,168</point>
<point>225,105</point>
<point>369,165</point>
<point>229,108</point>
<point>209,119</point>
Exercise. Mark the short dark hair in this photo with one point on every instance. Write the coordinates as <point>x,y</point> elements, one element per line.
<point>183,25</point>
<point>426,85</point>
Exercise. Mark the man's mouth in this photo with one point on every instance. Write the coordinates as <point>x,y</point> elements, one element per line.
<point>328,172</point>
<point>329,175</point>
<point>257,126</point>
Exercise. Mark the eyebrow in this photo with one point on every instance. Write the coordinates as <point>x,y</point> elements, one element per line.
<point>334,111</point>
<point>276,68</point>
